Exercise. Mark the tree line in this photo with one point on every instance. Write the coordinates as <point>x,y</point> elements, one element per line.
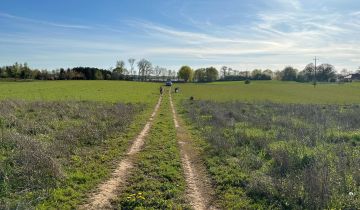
<point>144,70</point>
<point>322,73</point>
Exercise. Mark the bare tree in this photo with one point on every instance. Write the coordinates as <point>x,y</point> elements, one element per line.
<point>131,62</point>
<point>120,68</point>
<point>145,68</point>
<point>223,71</point>
<point>169,73</point>
<point>230,70</point>
<point>163,73</point>
<point>344,72</point>
<point>157,71</point>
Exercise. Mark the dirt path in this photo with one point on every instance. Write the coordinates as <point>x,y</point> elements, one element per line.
<point>198,190</point>
<point>108,190</point>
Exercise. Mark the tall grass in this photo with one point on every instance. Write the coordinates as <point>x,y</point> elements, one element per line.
<point>281,156</point>
<point>42,141</point>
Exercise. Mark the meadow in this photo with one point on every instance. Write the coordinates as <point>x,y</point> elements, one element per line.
<point>278,145</point>
<point>274,144</point>
<point>275,91</point>
<point>60,139</point>
<point>106,91</point>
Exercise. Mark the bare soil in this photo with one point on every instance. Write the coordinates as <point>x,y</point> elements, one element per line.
<point>107,191</point>
<point>199,190</point>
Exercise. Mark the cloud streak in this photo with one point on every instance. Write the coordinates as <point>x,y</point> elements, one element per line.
<point>282,33</point>
<point>42,22</point>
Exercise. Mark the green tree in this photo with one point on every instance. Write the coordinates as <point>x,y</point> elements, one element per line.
<point>99,75</point>
<point>212,74</point>
<point>200,75</point>
<point>186,73</point>
<point>289,74</point>
<point>325,73</point>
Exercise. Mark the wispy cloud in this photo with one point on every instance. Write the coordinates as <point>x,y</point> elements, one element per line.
<point>273,34</point>
<point>293,4</point>
<point>42,22</point>
<point>187,37</point>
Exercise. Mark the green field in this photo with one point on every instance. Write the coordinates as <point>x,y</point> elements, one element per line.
<point>276,91</point>
<point>108,91</point>
<point>59,139</point>
<point>136,92</point>
<point>269,144</point>
<point>280,156</point>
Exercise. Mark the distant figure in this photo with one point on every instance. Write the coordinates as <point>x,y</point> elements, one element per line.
<point>161,90</point>
<point>177,90</point>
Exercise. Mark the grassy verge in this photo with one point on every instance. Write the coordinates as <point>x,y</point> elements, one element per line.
<point>280,156</point>
<point>157,182</point>
<point>53,153</point>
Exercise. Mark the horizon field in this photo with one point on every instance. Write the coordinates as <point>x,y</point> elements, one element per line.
<point>139,92</point>
<point>106,91</point>
<point>274,91</point>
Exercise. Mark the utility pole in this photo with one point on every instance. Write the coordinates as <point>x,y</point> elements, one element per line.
<point>316,59</point>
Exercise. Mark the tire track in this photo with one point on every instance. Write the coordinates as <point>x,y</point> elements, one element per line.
<point>198,185</point>
<point>108,190</point>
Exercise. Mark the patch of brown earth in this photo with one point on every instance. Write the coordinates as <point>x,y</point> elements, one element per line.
<point>108,190</point>
<point>199,189</point>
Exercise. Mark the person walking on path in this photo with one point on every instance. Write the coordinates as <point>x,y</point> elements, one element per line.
<point>161,90</point>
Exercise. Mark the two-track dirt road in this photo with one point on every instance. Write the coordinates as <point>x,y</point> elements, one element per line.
<point>198,191</point>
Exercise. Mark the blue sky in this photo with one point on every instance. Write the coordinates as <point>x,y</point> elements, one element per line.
<point>242,34</point>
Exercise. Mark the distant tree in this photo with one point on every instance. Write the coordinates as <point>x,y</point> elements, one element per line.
<point>257,74</point>
<point>246,74</point>
<point>131,62</point>
<point>230,71</point>
<point>223,71</point>
<point>25,72</point>
<point>3,73</point>
<point>345,72</point>
<point>200,75</point>
<point>173,74</point>
<point>186,73</point>
<point>269,73</point>
<point>169,73</point>
<point>157,71</point>
<point>212,74</point>
<point>99,75</point>
<point>163,73</point>
<point>145,68</point>
<point>120,68</point>
<point>326,73</point>
<point>308,74</point>
<point>36,74</point>
<point>62,74</point>
<point>289,74</point>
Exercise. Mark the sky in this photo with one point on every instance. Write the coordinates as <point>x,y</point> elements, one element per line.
<point>242,34</point>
